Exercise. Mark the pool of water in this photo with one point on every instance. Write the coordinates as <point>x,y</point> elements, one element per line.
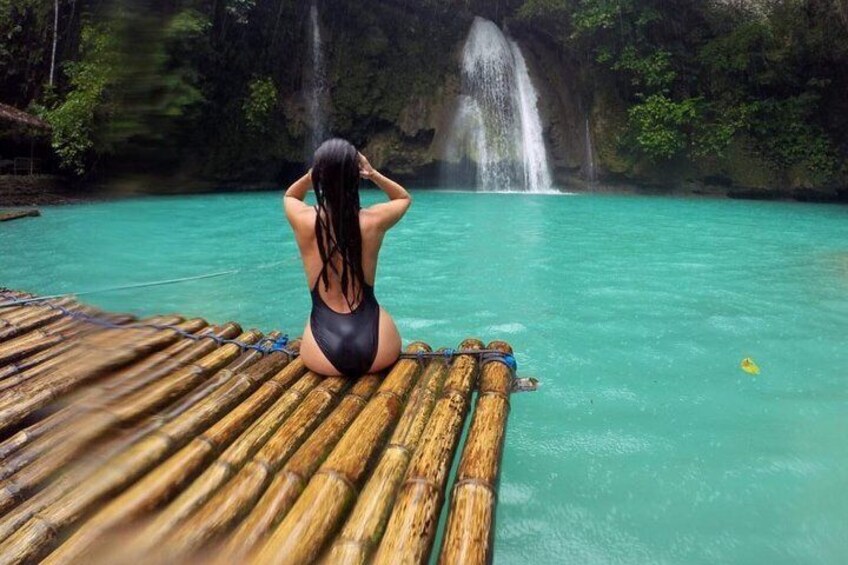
<point>646,441</point>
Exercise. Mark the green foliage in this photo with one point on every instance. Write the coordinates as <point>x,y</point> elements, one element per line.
<point>532,9</point>
<point>787,138</point>
<point>653,72</point>
<point>130,89</point>
<point>74,120</point>
<point>25,27</point>
<point>718,125</point>
<point>697,77</point>
<point>658,125</point>
<point>260,103</point>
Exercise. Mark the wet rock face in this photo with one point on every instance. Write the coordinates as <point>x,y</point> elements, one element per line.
<point>391,89</point>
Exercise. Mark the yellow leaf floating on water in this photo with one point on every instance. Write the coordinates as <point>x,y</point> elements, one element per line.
<point>749,366</point>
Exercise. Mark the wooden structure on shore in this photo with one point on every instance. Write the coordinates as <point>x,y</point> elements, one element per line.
<point>16,214</point>
<point>17,130</point>
<point>172,440</point>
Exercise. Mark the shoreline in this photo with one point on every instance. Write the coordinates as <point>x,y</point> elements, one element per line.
<point>58,193</point>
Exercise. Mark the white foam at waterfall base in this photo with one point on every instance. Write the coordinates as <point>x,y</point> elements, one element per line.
<point>497,125</point>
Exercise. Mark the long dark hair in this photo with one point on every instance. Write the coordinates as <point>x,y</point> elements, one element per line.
<point>335,178</point>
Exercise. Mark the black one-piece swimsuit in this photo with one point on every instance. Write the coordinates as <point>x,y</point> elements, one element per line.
<point>348,340</point>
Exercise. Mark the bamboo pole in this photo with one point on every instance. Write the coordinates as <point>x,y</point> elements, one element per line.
<point>46,361</point>
<point>289,482</point>
<point>17,403</point>
<point>38,339</point>
<point>36,315</point>
<point>79,363</point>
<point>96,424</point>
<point>178,383</point>
<point>166,481</point>
<point>221,511</point>
<point>325,501</point>
<point>113,387</point>
<point>39,533</point>
<point>69,442</point>
<point>6,314</point>
<point>109,338</point>
<point>230,462</point>
<point>470,528</point>
<point>366,523</point>
<point>208,386</point>
<point>30,321</point>
<point>160,363</point>
<point>72,474</point>
<point>411,528</point>
<point>31,360</point>
<point>14,316</point>
<point>116,385</point>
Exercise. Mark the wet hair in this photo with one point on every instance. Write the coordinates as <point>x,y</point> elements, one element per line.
<point>335,179</point>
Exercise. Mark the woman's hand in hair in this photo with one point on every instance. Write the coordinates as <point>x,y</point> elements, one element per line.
<point>365,168</point>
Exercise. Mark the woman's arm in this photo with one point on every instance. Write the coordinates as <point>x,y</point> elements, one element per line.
<point>293,203</point>
<point>386,213</point>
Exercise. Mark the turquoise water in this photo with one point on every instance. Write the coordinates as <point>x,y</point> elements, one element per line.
<point>646,442</point>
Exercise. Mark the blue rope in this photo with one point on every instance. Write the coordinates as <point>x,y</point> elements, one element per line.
<point>265,345</point>
<point>488,355</point>
<point>510,361</point>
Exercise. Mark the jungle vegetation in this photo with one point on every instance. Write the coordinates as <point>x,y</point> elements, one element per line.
<point>210,86</point>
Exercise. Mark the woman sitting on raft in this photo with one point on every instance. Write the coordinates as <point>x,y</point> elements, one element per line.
<point>348,333</point>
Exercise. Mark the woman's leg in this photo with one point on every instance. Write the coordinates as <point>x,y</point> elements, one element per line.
<point>388,348</point>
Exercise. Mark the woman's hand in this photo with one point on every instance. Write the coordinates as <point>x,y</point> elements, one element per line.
<point>365,168</point>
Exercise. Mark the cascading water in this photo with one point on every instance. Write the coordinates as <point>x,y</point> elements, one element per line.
<point>318,82</point>
<point>537,175</point>
<point>589,160</point>
<point>497,124</point>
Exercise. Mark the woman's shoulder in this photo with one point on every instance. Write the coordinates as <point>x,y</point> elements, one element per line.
<point>303,222</point>
<point>371,229</point>
<point>368,220</point>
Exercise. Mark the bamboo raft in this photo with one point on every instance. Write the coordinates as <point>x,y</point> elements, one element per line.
<point>15,214</point>
<point>187,441</point>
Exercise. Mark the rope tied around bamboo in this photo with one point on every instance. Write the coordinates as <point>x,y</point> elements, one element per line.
<point>265,345</point>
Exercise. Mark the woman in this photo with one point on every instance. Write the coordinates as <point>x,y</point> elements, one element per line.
<point>348,333</point>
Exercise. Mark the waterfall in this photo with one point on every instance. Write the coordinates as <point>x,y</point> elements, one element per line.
<point>537,175</point>
<point>497,124</point>
<point>589,159</point>
<point>318,84</point>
